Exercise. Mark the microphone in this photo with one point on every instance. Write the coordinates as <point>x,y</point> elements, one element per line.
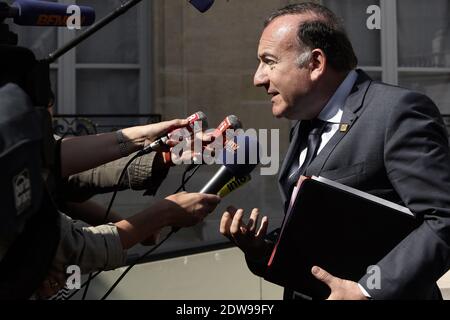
<point>160,143</point>
<point>231,168</point>
<point>234,184</point>
<point>202,5</point>
<point>230,122</point>
<point>43,13</point>
<point>232,175</point>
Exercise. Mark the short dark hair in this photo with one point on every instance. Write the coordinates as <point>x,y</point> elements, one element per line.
<point>324,32</point>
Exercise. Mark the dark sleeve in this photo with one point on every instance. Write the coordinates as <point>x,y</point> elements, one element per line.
<point>417,162</point>
<point>144,173</point>
<point>259,266</point>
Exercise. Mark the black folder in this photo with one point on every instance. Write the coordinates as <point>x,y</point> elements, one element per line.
<point>336,227</point>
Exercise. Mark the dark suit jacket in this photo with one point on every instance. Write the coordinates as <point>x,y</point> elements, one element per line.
<point>396,148</point>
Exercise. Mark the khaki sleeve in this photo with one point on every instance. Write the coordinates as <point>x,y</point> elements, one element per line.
<point>90,248</point>
<point>144,173</point>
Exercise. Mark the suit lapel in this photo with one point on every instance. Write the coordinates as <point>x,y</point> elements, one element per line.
<point>351,109</point>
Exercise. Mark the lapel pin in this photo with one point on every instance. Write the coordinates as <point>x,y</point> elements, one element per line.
<point>344,127</point>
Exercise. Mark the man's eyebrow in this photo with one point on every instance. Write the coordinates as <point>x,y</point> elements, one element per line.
<point>266,55</point>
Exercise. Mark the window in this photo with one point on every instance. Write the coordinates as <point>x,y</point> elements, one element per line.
<point>414,43</point>
<point>366,43</point>
<point>424,48</point>
<point>107,73</point>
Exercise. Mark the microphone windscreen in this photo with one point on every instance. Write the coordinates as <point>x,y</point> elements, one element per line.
<point>200,116</point>
<point>234,121</point>
<point>202,5</point>
<point>44,13</point>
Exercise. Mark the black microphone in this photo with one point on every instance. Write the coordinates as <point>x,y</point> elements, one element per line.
<point>161,143</point>
<point>202,5</point>
<point>44,13</point>
<point>234,170</point>
<point>237,163</point>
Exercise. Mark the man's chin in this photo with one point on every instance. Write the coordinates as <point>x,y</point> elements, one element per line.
<point>278,112</point>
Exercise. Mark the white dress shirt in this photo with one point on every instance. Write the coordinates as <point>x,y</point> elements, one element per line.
<point>332,113</point>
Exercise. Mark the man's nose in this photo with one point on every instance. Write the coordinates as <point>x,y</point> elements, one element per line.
<point>260,78</point>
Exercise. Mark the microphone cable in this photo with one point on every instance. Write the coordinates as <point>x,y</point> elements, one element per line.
<point>92,276</point>
<point>186,180</point>
<point>173,231</point>
<point>108,210</point>
<point>116,283</point>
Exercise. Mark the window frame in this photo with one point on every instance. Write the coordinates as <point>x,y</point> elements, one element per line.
<point>67,66</point>
<point>390,69</point>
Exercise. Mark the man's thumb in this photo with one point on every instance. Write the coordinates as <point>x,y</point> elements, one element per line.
<point>323,276</point>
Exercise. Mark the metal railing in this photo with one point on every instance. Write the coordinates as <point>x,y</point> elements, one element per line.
<point>86,124</point>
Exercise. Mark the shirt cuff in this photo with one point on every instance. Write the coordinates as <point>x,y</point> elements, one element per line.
<point>90,248</point>
<point>365,293</point>
<point>116,255</point>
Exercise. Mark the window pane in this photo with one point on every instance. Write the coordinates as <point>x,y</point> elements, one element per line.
<point>107,91</point>
<point>365,42</point>
<point>424,33</point>
<point>434,85</point>
<point>40,40</point>
<point>115,43</point>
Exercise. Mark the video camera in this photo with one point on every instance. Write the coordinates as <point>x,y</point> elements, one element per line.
<point>29,230</point>
<point>25,94</point>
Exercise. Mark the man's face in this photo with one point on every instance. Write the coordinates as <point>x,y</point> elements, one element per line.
<point>279,73</point>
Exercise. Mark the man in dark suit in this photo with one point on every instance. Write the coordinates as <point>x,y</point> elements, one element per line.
<point>382,139</point>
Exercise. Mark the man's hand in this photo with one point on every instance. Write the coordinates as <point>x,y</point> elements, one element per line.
<point>340,289</point>
<point>246,236</point>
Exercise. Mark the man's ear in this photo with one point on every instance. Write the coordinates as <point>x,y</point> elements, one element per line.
<point>318,64</point>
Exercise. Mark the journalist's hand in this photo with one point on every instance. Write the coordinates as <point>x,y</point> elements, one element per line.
<point>188,209</point>
<point>145,135</point>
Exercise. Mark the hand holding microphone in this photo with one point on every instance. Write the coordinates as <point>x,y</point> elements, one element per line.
<point>233,174</point>
<point>231,122</point>
<point>189,209</point>
<point>162,140</point>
